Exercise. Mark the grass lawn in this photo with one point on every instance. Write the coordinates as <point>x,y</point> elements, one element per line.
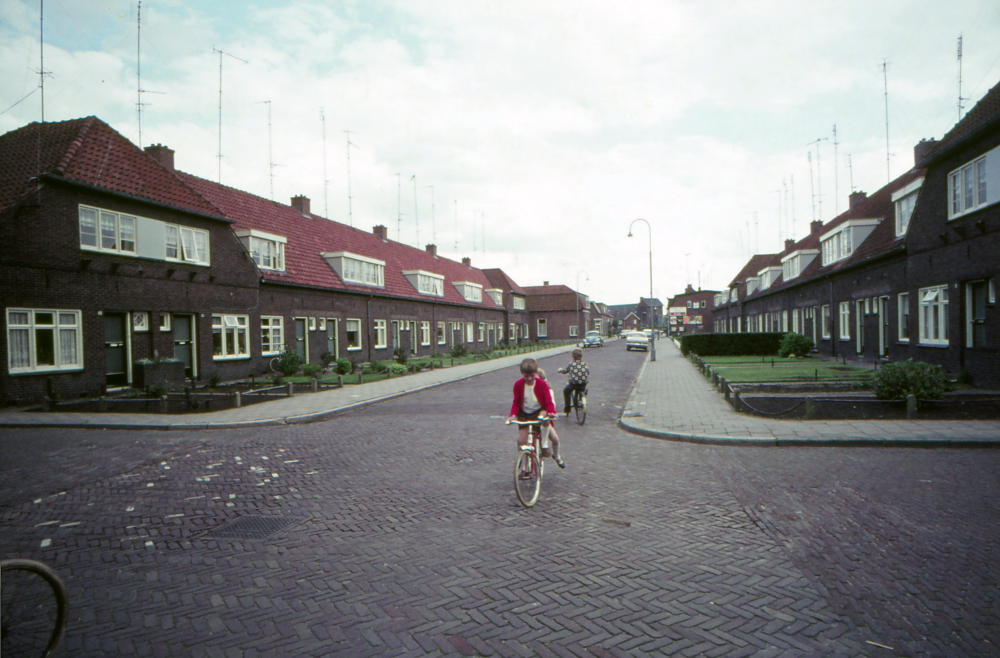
<point>751,369</point>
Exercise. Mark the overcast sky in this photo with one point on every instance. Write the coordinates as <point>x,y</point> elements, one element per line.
<point>552,124</point>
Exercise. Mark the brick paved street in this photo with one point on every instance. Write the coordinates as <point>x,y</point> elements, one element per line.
<point>408,539</point>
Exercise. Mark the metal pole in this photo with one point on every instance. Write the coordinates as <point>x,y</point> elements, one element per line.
<point>652,335</point>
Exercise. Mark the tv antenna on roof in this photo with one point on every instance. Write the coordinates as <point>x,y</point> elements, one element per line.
<point>350,210</point>
<point>399,207</point>
<point>456,227</point>
<point>819,174</point>
<point>326,182</point>
<point>221,53</point>
<point>433,229</point>
<point>416,219</point>
<point>960,99</point>
<point>139,91</point>
<point>270,155</point>
<point>885,79</point>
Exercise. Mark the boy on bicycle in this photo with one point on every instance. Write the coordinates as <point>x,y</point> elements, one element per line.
<point>532,401</point>
<point>579,373</point>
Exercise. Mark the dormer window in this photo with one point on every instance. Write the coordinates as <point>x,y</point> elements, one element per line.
<point>767,276</point>
<point>471,292</point>
<point>968,185</point>
<point>841,242</point>
<point>426,283</point>
<point>793,264</point>
<point>752,284</point>
<point>496,294</point>
<point>352,268</point>
<point>905,200</point>
<point>266,249</point>
<point>518,303</point>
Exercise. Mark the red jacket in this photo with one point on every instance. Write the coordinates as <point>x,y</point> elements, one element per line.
<point>542,392</point>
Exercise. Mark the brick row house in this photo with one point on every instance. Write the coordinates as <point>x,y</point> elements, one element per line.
<point>698,307</point>
<point>122,258</point>
<point>557,312</point>
<point>908,272</point>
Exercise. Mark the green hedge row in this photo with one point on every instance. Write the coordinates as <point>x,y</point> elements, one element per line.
<point>762,344</point>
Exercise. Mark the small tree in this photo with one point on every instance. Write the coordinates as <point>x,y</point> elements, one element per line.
<point>345,366</point>
<point>793,344</point>
<point>311,370</point>
<point>289,363</point>
<point>895,381</point>
<point>400,355</point>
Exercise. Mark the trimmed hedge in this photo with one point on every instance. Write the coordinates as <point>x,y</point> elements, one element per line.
<point>759,344</point>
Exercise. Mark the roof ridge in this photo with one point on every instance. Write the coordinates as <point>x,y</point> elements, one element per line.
<point>75,145</point>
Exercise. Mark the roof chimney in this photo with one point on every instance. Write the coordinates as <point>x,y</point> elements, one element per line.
<point>922,150</point>
<point>301,203</point>
<point>381,231</point>
<point>467,261</point>
<point>545,283</point>
<point>856,198</point>
<point>162,154</point>
<point>432,249</point>
<point>789,243</point>
<point>815,227</point>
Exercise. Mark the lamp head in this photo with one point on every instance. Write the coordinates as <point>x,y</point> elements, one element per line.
<point>630,234</point>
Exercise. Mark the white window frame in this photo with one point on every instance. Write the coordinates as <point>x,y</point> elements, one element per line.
<point>470,291</point>
<point>904,202</point>
<point>356,269</point>
<point>825,320</point>
<point>272,335</point>
<point>903,317</point>
<point>482,332</point>
<point>381,338</point>
<point>425,283</point>
<point>542,328</point>
<point>230,328</point>
<point>121,244</point>
<point>470,332</point>
<point>933,315</point>
<point>442,335</point>
<point>357,332</point>
<point>67,340</point>
<point>496,294</point>
<point>425,333</point>
<point>165,322</point>
<point>518,303</point>
<point>573,332</point>
<point>968,186</point>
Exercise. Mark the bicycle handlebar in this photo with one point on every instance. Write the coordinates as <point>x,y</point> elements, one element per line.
<point>526,422</point>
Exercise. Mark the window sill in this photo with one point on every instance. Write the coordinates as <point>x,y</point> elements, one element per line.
<point>45,371</point>
<point>271,353</point>
<point>937,345</point>
<point>354,349</point>
<point>242,357</point>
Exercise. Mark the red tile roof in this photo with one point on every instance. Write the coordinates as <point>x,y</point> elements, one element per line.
<point>90,152</point>
<point>309,236</point>
<point>986,111</point>
<point>499,279</point>
<point>554,298</point>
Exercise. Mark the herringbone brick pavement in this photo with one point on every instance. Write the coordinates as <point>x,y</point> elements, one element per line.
<point>409,541</point>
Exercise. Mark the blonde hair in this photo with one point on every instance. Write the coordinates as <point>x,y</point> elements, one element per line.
<point>541,374</point>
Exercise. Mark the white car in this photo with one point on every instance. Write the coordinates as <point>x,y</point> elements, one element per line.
<point>637,340</point>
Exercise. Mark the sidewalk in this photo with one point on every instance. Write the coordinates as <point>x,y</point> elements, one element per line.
<point>672,400</point>
<point>302,408</point>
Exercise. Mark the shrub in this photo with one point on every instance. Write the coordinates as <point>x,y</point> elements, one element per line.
<point>895,381</point>
<point>391,366</point>
<point>311,370</point>
<point>458,351</point>
<point>344,366</point>
<point>289,363</point>
<point>400,355</point>
<point>753,344</point>
<point>793,344</point>
<point>327,359</point>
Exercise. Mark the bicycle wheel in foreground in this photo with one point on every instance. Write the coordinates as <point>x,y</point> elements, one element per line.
<point>527,478</point>
<point>33,609</point>
<point>580,403</point>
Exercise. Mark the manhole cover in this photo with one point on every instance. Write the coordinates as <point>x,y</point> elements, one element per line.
<point>253,527</point>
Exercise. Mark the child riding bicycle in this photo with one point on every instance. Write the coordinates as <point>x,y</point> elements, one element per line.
<point>533,401</point>
<point>579,374</point>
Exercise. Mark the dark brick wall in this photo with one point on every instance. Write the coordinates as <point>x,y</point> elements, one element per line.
<point>48,269</point>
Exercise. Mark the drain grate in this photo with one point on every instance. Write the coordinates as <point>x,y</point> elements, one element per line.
<point>253,527</point>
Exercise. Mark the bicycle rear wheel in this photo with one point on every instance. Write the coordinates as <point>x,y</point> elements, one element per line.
<point>580,404</point>
<point>34,609</point>
<point>527,478</point>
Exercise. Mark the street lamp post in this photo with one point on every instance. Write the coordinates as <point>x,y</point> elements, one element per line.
<point>577,291</point>
<point>652,334</point>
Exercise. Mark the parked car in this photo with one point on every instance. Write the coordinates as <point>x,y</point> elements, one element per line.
<point>593,339</point>
<point>637,340</point>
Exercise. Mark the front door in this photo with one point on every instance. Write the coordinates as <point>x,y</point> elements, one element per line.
<point>301,345</point>
<point>413,337</point>
<point>331,338</point>
<point>183,343</point>
<point>115,349</point>
<point>883,326</point>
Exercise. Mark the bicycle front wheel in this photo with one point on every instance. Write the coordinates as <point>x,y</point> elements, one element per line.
<point>581,408</point>
<point>34,609</point>
<point>527,478</point>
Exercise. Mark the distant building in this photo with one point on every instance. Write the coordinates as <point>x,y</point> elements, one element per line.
<point>697,308</point>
